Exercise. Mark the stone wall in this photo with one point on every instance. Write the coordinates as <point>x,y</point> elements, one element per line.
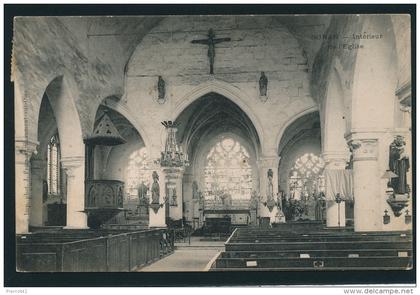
<point>257,45</point>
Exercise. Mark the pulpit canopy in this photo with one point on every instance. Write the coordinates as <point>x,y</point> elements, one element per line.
<point>105,133</point>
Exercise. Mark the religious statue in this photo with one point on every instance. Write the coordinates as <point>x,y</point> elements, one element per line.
<point>399,164</point>
<point>263,85</point>
<point>155,188</point>
<point>318,207</point>
<point>211,41</point>
<point>253,204</point>
<point>120,197</point>
<point>270,194</point>
<point>161,90</point>
<point>195,190</point>
<point>173,201</point>
<point>201,201</point>
<point>279,202</point>
<point>142,192</point>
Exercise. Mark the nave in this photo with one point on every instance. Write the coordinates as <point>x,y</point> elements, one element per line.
<point>244,130</point>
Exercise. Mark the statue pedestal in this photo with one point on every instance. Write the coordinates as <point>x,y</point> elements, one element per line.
<point>157,216</point>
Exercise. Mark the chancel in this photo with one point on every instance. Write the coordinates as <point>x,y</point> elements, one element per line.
<point>276,153</point>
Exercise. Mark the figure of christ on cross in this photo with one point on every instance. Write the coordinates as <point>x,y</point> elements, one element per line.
<point>211,41</point>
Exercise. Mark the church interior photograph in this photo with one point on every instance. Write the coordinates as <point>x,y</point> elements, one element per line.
<point>213,143</point>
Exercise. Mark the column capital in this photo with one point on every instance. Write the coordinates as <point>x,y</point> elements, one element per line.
<point>364,149</point>
<point>71,163</point>
<point>268,161</point>
<point>26,146</point>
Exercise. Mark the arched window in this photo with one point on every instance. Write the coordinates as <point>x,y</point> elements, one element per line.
<point>53,164</point>
<point>228,171</point>
<point>306,176</point>
<point>138,171</point>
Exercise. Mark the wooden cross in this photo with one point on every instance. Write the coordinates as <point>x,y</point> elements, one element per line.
<point>211,41</point>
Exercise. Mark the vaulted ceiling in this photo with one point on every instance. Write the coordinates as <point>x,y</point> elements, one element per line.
<point>214,114</point>
<point>99,48</point>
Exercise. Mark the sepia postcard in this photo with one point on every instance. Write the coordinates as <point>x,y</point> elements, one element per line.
<point>213,144</point>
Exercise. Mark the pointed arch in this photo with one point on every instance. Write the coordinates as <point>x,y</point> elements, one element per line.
<point>227,90</point>
<point>124,111</point>
<point>291,120</point>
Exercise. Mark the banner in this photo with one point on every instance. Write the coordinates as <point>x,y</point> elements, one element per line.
<point>338,181</point>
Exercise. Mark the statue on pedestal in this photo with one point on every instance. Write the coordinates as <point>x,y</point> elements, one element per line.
<point>201,200</point>
<point>270,194</point>
<point>142,193</point>
<point>399,164</point>
<point>253,204</point>
<point>174,201</point>
<point>155,188</point>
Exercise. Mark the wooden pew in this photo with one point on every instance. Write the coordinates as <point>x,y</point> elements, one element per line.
<point>82,251</point>
<point>274,249</point>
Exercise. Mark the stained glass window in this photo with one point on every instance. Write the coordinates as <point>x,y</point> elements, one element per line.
<point>138,171</point>
<point>306,176</point>
<point>53,164</point>
<point>228,171</point>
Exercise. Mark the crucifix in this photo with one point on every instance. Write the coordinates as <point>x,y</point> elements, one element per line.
<point>211,41</point>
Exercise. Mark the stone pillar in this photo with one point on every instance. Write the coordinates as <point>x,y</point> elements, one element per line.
<point>366,181</point>
<point>157,218</point>
<point>173,180</point>
<point>187,196</point>
<point>336,213</point>
<point>37,178</point>
<point>264,164</point>
<point>23,152</point>
<point>75,170</point>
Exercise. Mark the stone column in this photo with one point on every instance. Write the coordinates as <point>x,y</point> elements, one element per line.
<point>37,178</point>
<point>75,170</point>
<point>23,152</point>
<point>335,161</point>
<point>264,164</point>
<point>173,180</point>
<point>366,181</point>
<point>157,218</point>
<point>187,196</point>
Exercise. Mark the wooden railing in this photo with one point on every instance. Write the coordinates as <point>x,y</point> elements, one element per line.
<point>116,252</point>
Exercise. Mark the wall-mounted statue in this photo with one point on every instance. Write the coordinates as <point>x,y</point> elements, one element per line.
<point>270,194</point>
<point>399,164</point>
<point>195,194</point>
<point>263,87</point>
<point>155,188</point>
<point>161,90</point>
<point>211,41</point>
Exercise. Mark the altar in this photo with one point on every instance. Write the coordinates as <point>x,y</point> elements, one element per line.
<point>236,210</point>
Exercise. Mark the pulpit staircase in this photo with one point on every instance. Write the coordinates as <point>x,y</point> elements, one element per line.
<point>312,247</point>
